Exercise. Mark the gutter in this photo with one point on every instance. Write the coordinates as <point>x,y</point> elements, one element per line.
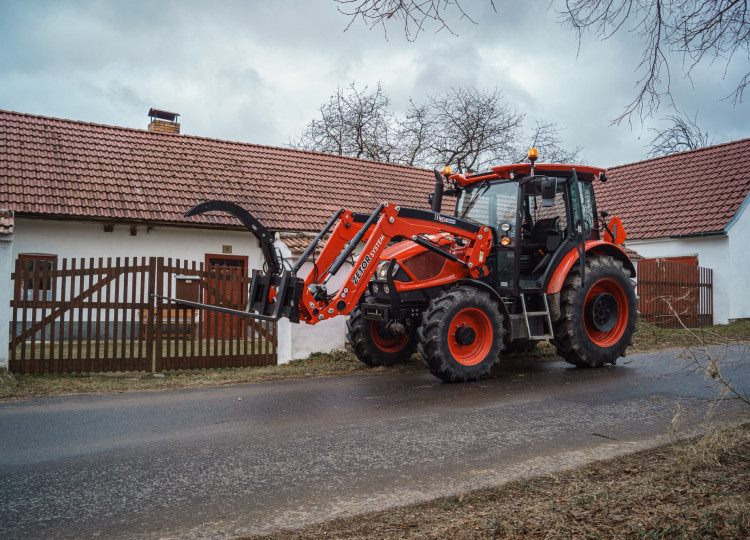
<point>721,232</point>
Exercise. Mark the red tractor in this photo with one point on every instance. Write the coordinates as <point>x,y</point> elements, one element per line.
<point>525,258</point>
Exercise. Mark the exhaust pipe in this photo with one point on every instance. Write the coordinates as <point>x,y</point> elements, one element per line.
<point>437,194</point>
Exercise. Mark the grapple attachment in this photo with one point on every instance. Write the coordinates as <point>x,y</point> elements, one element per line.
<point>272,297</point>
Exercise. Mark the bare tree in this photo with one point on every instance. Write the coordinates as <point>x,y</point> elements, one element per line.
<point>413,14</point>
<point>473,128</point>
<point>352,123</point>
<point>683,134</point>
<point>546,139</point>
<point>465,127</point>
<point>413,136</point>
<point>692,31</point>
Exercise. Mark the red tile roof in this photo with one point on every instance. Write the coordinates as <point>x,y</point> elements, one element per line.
<point>299,241</point>
<point>691,192</point>
<point>52,167</point>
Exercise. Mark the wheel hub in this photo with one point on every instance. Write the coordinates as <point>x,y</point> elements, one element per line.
<point>603,312</point>
<point>465,335</point>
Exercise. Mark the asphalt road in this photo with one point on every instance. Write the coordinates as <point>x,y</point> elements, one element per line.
<point>226,461</point>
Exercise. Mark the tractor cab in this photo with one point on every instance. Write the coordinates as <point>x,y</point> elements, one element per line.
<point>537,215</point>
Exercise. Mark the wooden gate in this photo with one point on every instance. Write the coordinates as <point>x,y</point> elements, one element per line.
<point>92,315</point>
<point>673,293</point>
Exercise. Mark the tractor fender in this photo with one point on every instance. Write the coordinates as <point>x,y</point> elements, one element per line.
<point>482,286</point>
<point>593,247</point>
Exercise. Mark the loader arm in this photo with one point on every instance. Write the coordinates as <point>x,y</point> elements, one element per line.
<point>383,225</point>
<point>280,293</point>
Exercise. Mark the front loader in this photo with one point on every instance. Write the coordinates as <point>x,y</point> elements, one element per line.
<point>524,258</point>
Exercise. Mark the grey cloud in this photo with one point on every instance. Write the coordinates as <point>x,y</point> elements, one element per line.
<point>108,62</point>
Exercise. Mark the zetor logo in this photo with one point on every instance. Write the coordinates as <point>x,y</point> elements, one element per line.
<point>368,259</point>
<point>443,219</point>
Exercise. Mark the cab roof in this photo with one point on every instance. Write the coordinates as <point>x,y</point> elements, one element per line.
<point>584,172</point>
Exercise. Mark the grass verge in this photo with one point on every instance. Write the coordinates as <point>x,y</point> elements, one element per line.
<point>317,365</point>
<point>693,489</point>
<point>648,338</point>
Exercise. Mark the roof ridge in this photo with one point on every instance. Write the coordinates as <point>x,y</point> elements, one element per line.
<point>683,153</point>
<point>212,139</point>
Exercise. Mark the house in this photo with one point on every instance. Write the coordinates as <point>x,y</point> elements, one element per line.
<point>74,189</point>
<point>695,205</point>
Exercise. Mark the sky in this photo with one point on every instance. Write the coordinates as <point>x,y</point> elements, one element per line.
<point>256,70</point>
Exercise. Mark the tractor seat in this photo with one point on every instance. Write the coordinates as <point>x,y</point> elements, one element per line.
<point>542,230</point>
<point>544,239</point>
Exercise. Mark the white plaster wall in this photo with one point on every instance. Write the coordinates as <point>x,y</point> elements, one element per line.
<point>6,316</point>
<point>324,336</point>
<point>712,252</point>
<point>739,262</point>
<point>78,239</point>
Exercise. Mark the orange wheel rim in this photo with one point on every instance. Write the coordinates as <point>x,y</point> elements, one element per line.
<point>605,313</point>
<point>470,336</point>
<point>385,341</point>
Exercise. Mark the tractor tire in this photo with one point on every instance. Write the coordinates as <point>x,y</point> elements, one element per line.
<point>374,345</point>
<point>461,335</point>
<point>597,321</point>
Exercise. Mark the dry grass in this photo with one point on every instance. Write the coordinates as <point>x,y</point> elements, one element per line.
<point>317,365</point>
<point>648,338</point>
<point>694,489</point>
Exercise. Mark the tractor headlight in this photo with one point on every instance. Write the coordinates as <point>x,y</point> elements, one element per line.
<point>375,288</point>
<point>382,271</point>
<point>505,227</point>
<point>386,289</point>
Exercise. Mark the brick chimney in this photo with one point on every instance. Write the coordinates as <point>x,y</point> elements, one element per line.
<point>163,121</point>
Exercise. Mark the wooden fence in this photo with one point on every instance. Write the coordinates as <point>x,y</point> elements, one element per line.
<point>94,315</point>
<point>674,293</point>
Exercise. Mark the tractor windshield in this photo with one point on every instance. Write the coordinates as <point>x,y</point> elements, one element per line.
<point>489,203</point>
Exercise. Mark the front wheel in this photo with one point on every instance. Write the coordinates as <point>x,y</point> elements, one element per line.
<point>461,335</point>
<point>597,319</point>
<point>375,345</point>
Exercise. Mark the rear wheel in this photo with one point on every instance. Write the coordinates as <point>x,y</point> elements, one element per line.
<point>461,335</point>
<point>375,345</point>
<point>597,320</point>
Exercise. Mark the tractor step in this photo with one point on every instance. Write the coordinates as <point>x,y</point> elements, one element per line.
<point>542,317</point>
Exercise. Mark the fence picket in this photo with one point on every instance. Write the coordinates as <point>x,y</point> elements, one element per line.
<point>61,366</point>
<point>674,293</point>
<point>100,315</point>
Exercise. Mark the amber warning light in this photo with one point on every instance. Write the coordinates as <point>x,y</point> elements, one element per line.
<point>533,154</point>
<point>447,171</point>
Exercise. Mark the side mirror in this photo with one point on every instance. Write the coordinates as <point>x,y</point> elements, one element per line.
<point>604,214</point>
<point>549,190</point>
